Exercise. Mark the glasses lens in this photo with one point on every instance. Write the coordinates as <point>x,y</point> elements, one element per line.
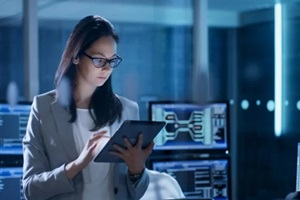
<point>99,62</point>
<point>115,62</point>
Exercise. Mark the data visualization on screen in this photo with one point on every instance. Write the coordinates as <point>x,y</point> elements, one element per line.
<point>11,183</point>
<point>190,126</point>
<point>198,178</point>
<point>13,123</point>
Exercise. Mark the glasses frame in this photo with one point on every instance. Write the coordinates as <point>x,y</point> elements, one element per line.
<point>117,57</point>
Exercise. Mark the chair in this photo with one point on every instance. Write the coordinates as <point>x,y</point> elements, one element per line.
<point>293,195</point>
<point>162,186</point>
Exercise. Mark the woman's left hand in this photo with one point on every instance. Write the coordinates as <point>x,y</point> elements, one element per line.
<point>134,156</point>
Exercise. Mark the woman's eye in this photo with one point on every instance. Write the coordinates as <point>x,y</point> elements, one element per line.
<point>99,60</point>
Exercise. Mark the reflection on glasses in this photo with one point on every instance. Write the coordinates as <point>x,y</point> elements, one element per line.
<point>101,62</point>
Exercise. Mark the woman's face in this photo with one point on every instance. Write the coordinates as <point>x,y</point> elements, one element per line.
<point>87,73</point>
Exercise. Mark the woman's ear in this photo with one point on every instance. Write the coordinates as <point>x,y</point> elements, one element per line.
<point>76,60</point>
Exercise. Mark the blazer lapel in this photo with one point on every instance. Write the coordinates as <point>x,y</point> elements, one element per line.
<point>65,132</point>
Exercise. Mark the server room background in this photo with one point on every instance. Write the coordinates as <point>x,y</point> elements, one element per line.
<point>161,43</point>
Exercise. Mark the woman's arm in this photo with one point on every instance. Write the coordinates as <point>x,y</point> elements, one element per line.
<point>39,180</point>
<point>135,156</point>
<point>48,169</point>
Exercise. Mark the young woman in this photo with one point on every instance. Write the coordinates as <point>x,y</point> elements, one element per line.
<point>67,125</point>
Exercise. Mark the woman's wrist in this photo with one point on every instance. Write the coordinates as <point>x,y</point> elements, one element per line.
<point>134,177</point>
<point>136,171</point>
<point>72,169</point>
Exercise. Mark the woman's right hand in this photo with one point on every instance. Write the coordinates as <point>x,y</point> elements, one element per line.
<point>85,157</point>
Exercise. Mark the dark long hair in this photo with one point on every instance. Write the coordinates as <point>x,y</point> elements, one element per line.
<point>107,107</point>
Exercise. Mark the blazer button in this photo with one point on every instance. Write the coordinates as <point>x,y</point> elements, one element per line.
<point>116,190</point>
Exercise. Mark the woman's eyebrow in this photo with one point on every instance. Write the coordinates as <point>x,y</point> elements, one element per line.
<point>101,54</point>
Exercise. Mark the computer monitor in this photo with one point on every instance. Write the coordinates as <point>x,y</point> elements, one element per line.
<point>190,125</point>
<point>13,123</point>
<point>199,179</point>
<point>11,183</point>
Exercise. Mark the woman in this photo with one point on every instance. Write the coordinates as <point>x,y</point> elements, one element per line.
<point>67,125</point>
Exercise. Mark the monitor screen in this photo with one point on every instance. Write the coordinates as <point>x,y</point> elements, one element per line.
<point>190,126</point>
<point>11,183</point>
<point>198,178</point>
<point>13,123</point>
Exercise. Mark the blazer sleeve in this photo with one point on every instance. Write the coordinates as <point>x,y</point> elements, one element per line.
<point>39,180</point>
<point>136,190</point>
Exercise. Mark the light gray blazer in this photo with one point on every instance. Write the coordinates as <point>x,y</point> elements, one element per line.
<point>49,145</point>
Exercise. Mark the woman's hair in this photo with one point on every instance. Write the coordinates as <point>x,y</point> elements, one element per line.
<point>106,106</point>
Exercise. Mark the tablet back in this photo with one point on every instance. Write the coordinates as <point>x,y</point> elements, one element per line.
<point>129,129</point>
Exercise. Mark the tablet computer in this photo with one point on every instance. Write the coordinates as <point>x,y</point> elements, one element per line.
<point>131,130</point>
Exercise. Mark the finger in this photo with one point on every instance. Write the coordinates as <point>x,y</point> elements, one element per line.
<point>101,132</point>
<point>140,141</point>
<point>119,148</point>
<point>94,139</point>
<point>149,148</point>
<point>99,135</point>
<point>115,153</point>
<point>127,144</point>
<point>119,155</point>
<point>96,136</point>
<point>92,147</point>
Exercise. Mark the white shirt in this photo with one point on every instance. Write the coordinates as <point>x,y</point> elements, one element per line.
<point>96,176</point>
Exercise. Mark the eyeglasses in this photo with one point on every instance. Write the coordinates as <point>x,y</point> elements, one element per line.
<point>101,62</point>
